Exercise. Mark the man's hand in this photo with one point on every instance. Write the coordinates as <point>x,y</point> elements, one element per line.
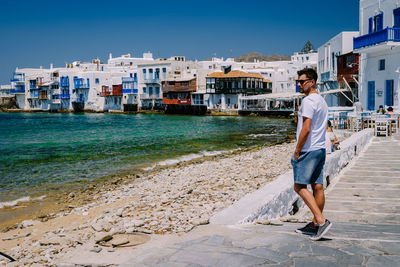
<point>296,155</point>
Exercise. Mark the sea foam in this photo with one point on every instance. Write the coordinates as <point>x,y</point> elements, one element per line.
<point>19,200</point>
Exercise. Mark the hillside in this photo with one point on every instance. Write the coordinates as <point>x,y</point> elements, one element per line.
<point>250,57</point>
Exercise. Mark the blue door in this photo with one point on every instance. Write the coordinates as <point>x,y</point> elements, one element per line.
<point>389,93</point>
<point>371,95</point>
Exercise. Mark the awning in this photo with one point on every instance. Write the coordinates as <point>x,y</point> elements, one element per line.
<point>333,91</point>
<point>277,96</point>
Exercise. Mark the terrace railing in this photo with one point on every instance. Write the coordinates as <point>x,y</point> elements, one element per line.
<point>385,35</point>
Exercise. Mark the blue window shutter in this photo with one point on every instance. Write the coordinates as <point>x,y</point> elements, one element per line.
<point>371,95</point>
<point>370,25</point>
<point>396,16</point>
<point>389,93</point>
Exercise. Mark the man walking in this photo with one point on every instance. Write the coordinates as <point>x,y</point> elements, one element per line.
<point>309,157</point>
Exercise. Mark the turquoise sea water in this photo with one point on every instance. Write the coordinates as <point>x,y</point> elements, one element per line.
<point>41,152</point>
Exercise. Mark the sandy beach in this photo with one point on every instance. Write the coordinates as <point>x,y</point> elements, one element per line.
<point>168,199</point>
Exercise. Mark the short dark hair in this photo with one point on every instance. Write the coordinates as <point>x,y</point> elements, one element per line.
<point>310,73</point>
<point>329,123</point>
<point>390,109</point>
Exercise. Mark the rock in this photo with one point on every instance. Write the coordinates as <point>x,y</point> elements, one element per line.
<point>137,223</point>
<point>71,195</point>
<point>97,227</point>
<point>263,222</point>
<point>28,223</point>
<point>119,212</point>
<point>98,237</point>
<point>52,241</point>
<point>111,250</point>
<point>119,241</point>
<point>276,222</point>
<point>96,249</point>
<point>204,221</point>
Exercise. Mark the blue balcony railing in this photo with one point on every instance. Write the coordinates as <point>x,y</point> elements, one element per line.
<point>64,81</point>
<point>325,76</point>
<point>80,83</point>
<point>78,99</point>
<point>130,91</point>
<point>18,89</point>
<point>129,79</point>
<point>64,96</point>
<point>373,38</point>
<point>152,80</point>
<point>18,77</point>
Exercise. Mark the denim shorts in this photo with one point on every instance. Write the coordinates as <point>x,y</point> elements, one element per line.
<point>309,167</point>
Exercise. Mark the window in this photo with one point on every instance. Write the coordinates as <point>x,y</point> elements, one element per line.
<point>371,95</point>
<point>97,81</point>
<point>381,64</point>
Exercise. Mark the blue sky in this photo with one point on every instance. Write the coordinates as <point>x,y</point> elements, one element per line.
<point>35,33</point>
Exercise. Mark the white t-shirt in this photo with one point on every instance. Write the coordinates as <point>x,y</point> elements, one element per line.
<point>329,137</point>
<point>314,107</point>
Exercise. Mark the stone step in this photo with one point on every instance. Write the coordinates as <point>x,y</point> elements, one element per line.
<point>368,207</point>
<point>362,217</point>
<point>381,193</point>
<point>382,173</point>
<point>370,179</point>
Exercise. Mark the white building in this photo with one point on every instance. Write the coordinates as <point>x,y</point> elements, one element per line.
<point>327,68</point>
<point>379,47</point>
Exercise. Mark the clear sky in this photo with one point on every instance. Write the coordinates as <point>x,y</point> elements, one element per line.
<point>40,32</point>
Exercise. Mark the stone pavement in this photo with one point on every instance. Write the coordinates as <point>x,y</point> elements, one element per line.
<point>363,204</point>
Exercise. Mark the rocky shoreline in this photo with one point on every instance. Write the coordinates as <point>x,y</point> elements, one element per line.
<point>172,199</point>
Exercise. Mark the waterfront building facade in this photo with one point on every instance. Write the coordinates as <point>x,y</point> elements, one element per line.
<point>379,49</point>
<point>225,88</point>
<point>339,89</point>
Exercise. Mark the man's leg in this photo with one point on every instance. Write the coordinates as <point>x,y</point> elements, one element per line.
<point>319,196</point>
<point>310,201</point>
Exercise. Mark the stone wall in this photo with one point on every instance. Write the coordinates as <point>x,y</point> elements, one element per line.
<point>278,198</point>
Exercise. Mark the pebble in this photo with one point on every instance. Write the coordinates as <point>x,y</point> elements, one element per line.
<point>96,249</point>
<point>98,237</point>
<point>166,200</point>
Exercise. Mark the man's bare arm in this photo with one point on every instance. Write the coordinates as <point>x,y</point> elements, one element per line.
<point>305,131</point>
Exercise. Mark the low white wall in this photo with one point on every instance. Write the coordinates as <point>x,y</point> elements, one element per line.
<point>277,198</point>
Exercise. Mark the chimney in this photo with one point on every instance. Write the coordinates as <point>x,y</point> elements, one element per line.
<point>51,65</point>
<point>110,56</point>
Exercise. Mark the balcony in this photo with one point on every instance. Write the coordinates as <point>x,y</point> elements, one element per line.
<point>78,100</point>
<point>325,76</point>
<point>129,79</point>
<point>55,101</point>
<point>34,94</point>
<point>65,96</point>
<point>80,83</point>
<point>377,38</point>
<point>64,81</point>
<point>152,80</point>
<point>130,91</point>
<point>149,97</point>
<point>19,89</point>
<point>18,77</point>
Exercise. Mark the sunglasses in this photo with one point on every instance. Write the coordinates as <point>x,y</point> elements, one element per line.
<point>302,81</point>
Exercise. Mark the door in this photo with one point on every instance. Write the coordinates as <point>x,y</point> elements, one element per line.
<point>389,93</point>
<point>396,16</point>
<point>371,95</point>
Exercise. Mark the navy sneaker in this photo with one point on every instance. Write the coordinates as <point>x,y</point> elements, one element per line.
<point>309,229</point>
<point>321,230</point>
